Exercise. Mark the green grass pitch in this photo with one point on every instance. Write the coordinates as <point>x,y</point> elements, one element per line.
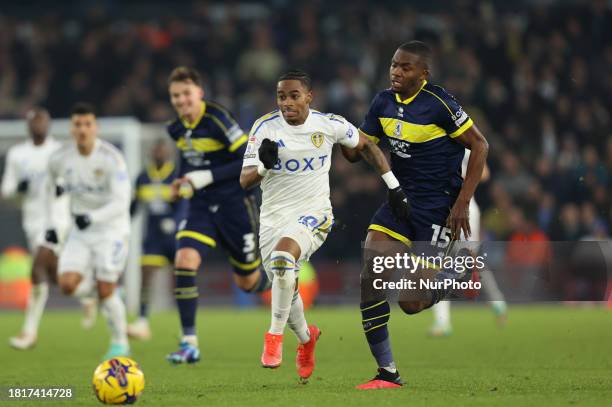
<point>544,356</point>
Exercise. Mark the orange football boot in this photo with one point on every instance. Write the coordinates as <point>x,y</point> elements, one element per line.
<point>272,355</point>
<point>305,357</point>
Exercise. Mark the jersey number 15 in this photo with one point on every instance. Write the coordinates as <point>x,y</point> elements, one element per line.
<point>441,236</point>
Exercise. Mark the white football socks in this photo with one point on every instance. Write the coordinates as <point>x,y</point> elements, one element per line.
<point>85,288</point>
<point>297,321</point>
<point>39,294</point>
<point>441,313</point>
<point>282,265</point>
<point>114,311</point>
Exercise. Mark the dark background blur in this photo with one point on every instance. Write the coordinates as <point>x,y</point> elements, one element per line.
<point>535,76</point>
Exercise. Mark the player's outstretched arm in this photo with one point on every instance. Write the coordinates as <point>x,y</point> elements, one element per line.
<point>370,152</point>
<point>53,194</point>
<point>120,190</point>
<point>473,140</point>
<point>202,178</point>
<point>266,158</point>
<point>9,178</point>
<point>351,154</point>
<point>486,174</point>
<point>249,177</point>
<point>373,155</point>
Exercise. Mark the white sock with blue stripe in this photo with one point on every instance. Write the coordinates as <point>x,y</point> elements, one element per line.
<point>282,265</point>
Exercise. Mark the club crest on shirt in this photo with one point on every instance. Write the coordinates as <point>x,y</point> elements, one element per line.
<point>317,139</point>
<point>398,130</point>
<point>98,173</point>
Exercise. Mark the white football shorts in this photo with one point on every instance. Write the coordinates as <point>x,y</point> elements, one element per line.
<point>105,253</point>
<point>309,231</point>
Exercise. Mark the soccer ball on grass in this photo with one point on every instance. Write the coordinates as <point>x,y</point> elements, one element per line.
<point>118,381</point>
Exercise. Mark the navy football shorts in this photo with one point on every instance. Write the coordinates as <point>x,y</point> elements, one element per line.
<point>424,231</point>
<point>158,250</point>
<point>231,224</point>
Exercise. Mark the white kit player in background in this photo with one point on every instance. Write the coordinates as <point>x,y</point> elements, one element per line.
<point>94,174</point>
<point>441,311</point>
<point>25,175</point>
<point>289,152</point>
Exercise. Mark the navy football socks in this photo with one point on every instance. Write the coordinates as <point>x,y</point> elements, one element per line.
<point>375,315</point>
<point>186,294</point>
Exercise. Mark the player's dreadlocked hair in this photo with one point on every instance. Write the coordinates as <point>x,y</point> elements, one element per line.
<point>419,48</point>
<point>83,108</point>
<point>185,74</point>
<point>298,75</point>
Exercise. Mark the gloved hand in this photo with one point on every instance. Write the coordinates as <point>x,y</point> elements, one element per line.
<point>51,236</point>
<point>23,186</point>
<point>399,203</point>
<point>59,191</point>
<point>268,153</point>
<point>82,221</point>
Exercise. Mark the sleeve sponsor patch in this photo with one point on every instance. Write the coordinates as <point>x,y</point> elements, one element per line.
<point>234,133</point>
<point>460,117</point>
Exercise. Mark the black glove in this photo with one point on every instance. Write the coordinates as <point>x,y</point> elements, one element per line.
<point>399,203</point>
<point>51,236</point>
<point>82,221</point>
<point>59,191</point>
<point>268,153</point>
<point>23,185</point>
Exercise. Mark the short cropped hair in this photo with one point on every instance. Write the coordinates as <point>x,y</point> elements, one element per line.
<point>83,108</point>
<point>297,75</point>
<point>418,48</point>
<point>185,74</point>
<point>37,110</point>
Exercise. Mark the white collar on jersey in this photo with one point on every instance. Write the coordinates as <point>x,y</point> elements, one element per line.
<point>48,141</point>
<point>299,126</point>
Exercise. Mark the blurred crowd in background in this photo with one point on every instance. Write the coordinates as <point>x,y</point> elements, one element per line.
<point>535,76</point>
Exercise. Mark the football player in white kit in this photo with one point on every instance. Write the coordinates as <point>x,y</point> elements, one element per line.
<point>94,174</point>
<point>25,174</point>
<point>441,311</point>
<point>289,152</point>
